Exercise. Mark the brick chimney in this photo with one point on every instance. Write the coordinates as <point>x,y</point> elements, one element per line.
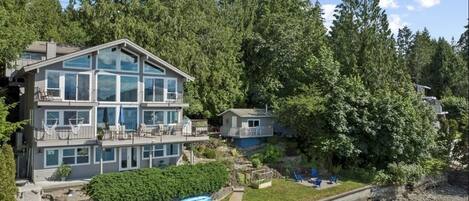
<point>51,49</point>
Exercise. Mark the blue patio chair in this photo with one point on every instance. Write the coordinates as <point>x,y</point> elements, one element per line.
<point>298,177</point>
<point>333,179</point>
<point>314,173</point>
<point>317,182</point>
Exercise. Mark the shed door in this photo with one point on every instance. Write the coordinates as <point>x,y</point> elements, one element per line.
<point>234,122</point>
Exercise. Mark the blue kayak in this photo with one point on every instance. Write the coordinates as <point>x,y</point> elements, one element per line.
<point>198,198</point>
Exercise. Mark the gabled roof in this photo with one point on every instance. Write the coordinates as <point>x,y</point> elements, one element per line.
<point>245,112</point>
<point>125,42</point>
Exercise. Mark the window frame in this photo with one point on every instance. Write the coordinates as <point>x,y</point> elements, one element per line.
<point>178,150</point>
<point>120,88</point>
<point>46,83</point>
<point>165,113</point>
<point>254,120</point>
<point>61,122</point>
<point>165,89</point>
<point>152,73</point>
<point>60,156</point>
<point>95,148</point>
<point>62,83</point>
<point>118,60</point>
<point>79,68</point>
<point>153,150</point>
<point>76,87</point>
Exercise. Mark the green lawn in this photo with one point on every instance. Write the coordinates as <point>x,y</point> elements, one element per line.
<point>283,190</point>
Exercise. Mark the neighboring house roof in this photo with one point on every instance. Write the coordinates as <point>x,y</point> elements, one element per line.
<point>245,112</point>
<point>125,42</point>
<point>41,46</point>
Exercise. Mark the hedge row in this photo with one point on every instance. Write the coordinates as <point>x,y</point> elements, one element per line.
<point>154,184</point>
<point>7,173</point>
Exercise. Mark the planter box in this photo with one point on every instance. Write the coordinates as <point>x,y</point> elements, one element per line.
<point>262,185</point>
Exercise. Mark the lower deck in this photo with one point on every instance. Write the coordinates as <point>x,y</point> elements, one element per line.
<point>87,161</point>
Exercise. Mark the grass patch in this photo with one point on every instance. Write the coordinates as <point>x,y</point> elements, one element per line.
<point>285,190</point>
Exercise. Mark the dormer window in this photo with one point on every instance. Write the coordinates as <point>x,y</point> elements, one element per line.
<point>153,69</point>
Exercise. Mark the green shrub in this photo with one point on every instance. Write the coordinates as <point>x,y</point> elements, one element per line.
<point>399,174</point>
<point>210,153</point>
<point>256,162</point>
<point>434,166</point>
<point>171,183</point>
<point>7,174</point>
<point>64,170</point>
<point>272,154</point>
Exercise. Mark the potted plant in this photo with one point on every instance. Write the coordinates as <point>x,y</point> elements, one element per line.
<point>100,134</point>
<point>64,171</point>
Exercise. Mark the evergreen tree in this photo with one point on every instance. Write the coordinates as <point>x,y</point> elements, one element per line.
<point>285,34</point>
<point>463,44</point>
<point>363,44</point>
<point>45,18</point>
<point>447,74</point>
<point>7,173</point>
<point>15,33</point>
<point>422,51</point>
<point>404,43</point>
<point>190,34</point>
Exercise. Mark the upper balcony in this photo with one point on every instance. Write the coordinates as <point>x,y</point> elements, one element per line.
<point>118,136</point>
<point>171,100</point>
<point>43,97</point>
<point>260,131</point>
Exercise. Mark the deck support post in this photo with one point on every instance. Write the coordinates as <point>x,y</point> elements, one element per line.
<point>101,161</point>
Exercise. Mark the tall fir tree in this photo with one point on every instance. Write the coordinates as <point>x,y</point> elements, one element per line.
<point>15,32</point>
<point>190,34</point>
<point>363,44</point>
<point>285,34</point>
<point>404,43</point>
<point>422,51</point>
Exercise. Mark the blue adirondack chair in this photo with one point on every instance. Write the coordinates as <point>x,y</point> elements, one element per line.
<point>298,177</point>
<point>314,173</point>
<point>317,182</point>
<point>333,179</point>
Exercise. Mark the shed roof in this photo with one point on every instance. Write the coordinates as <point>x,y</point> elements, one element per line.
<point>246,112</point>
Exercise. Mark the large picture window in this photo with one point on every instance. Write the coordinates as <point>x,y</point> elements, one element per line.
<point>82,62</point>
<point>106,88</point>
<point>129,88</point>
<point>77,86</point>
<point>154,89</point>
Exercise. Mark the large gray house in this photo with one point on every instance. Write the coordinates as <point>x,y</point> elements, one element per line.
<point>108,108</point>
